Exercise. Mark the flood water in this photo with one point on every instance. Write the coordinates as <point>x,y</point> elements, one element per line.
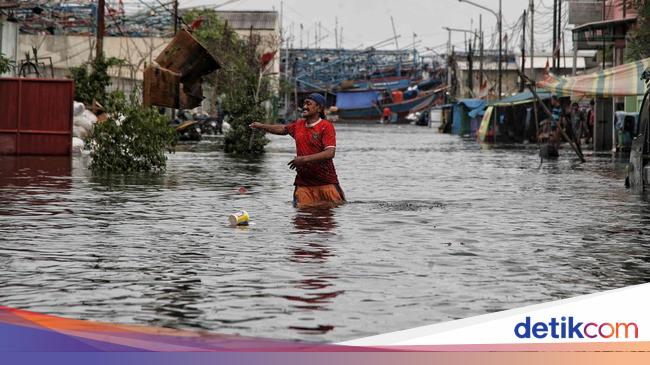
<point>436,229</point>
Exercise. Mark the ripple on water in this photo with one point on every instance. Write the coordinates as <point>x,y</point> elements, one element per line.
<point>436,229</point>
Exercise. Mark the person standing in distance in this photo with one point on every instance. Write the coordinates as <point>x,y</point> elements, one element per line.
<point>316,182</point>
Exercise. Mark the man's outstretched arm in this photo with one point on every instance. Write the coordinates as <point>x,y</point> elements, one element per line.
<point>271,128</point>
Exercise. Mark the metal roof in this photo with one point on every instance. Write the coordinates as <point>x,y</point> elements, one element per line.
<point>603,24</point>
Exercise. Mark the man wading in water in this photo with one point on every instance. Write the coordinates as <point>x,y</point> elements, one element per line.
<point>316,181</point>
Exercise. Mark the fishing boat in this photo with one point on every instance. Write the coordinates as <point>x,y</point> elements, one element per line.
<point>365,105</point>
<point>384,83</point>
<point>358,105</point>
<point>404,108</point>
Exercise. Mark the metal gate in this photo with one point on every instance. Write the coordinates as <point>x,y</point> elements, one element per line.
<point>36,116</point>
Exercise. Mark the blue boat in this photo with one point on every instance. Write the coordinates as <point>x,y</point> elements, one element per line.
<point>360,106</point>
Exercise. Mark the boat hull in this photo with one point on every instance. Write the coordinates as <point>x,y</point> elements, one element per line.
<point>401,109</point>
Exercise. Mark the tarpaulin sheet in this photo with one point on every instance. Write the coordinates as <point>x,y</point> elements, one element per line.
<point>464,111</point>
<point>623,80</point>
<point>357,99</point>
<point>522,98</point>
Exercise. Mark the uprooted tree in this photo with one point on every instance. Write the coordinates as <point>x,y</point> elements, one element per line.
<point>242,82</point>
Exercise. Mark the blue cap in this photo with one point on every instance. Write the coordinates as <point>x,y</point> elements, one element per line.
<point>318,98</point>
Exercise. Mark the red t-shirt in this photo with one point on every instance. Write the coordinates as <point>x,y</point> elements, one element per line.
<point>311,140</point>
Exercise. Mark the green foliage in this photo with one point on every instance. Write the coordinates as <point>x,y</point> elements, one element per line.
<point>238,138</point>
<point>638,42</point>
<point>241,81</point>
<point>4,64</point>
<point>133,139</point>
<point>91,79</point>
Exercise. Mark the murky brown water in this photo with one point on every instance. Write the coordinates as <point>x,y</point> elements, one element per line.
<point>436,229</point>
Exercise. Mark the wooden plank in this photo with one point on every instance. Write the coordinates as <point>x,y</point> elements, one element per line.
<point>186,56</point>
<point>162,87</point>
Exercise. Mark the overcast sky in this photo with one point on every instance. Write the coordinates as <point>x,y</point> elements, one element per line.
<point>366,22</point>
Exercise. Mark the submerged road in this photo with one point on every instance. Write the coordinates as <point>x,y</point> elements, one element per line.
<point>436,229</point>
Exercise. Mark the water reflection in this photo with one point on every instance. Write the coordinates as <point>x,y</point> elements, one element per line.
<point>317,289</point>
<point>438,229</point>
<point>177,290</point>
<point>121,181</point>
<point>314,220</point>
<point>33,181</point>
<point>34,171</point>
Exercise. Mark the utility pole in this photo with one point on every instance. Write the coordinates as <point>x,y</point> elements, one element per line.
<point>175,16</point>
<point>415,54</point>
<point>100,29</point>
<point>499,17</point>
<point>500,47</point>
<point>531,5</point>
<point>480,32</point>
<point>284,39</point>
<point>559,31</point>
<point>301,29</point>
<point>470,60</point>
<point>448,58</point>
<point>523,53</point>
<point>554,33</point>
<point>336,33</point>
<point>604,46</point>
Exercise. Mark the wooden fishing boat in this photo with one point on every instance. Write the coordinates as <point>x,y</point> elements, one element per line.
<point>374,112</point>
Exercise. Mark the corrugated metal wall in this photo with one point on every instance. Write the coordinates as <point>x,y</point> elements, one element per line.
<point>36,116</point>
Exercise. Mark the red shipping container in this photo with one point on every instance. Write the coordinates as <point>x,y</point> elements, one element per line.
<point>36,116</point>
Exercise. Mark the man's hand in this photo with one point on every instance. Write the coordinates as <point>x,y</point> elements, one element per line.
<point>255,125</point>
<point>297,162</point>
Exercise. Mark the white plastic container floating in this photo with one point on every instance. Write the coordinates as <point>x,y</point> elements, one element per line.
<point>239,219</point>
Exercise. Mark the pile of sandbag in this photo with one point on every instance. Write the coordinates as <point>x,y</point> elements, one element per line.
<point>82,123</point>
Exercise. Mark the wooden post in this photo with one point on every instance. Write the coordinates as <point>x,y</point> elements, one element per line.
<point>480,73</point>
<point>175,17</point>
<point>100,29</point>
<point>523,51</point>
<point>550,115</point>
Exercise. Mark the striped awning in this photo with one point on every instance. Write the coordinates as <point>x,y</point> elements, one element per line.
<point>621,80</point>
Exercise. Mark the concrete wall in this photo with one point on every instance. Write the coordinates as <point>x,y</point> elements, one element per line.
<point>9,42</point>
<point>72,51</point>
<point>614,9</point>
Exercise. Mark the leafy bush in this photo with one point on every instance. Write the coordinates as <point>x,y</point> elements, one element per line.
<point>132,139</point>
<point>238,139</point>
<point>4,64</point>
<point>91,79</point>
<point>638,42</point>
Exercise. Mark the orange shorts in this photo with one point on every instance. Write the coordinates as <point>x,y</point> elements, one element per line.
<point>325,195</point>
